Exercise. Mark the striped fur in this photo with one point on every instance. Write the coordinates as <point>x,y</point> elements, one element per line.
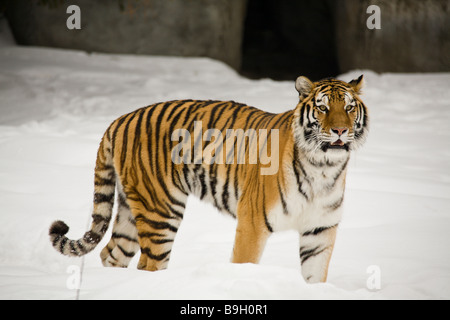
<point>305,192</point>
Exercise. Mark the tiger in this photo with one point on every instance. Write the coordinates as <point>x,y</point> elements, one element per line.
<point>141,156</point>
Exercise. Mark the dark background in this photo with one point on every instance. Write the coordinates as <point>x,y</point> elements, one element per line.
<point>277,39</point>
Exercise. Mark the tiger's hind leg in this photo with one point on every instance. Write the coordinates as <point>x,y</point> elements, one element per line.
<point>156,229</point>
<point>124,240</point>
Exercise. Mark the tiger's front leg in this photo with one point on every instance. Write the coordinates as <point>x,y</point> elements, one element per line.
<point>251,234</point>
<point>249,244</point>
<point>316,247</point>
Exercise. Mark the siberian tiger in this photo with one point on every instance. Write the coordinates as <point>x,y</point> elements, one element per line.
<point>141,155</point>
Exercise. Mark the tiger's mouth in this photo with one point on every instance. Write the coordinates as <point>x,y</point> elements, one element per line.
<point>336,145</point>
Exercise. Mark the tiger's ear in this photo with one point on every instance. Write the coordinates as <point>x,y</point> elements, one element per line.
<point>357,84</point>
<point>303,86</point>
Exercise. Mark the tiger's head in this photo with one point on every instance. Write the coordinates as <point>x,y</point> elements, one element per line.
<point>330,119</point>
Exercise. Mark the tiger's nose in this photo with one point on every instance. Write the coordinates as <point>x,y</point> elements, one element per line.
<point>339,131</point>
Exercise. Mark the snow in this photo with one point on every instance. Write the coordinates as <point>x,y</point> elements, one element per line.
<point>56,104</point>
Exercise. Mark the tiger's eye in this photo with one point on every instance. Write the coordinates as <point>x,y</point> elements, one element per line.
<point>349,108</point>
<point>322,108</point>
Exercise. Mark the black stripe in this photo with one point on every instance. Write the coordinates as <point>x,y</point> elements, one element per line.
<point>149,131</point>
<point>358,116</point>
<point>318,164</point>
<point>283,202</point>
<point>99,181</point>
<point>203,185</point>
<point>62,244</point>
<point>327,162</point>
<point>186,177</point>
<point>160,241</point>
<point>302,117</point>
<point>156,224</point>
<point>213,184</point>
<point>100,198</point>
<point>155,155</point>
<point>176,180</point>
<point>228,107</point>
<point>297,176</point>
<point>335,205</point>
<point>91,237</point>
<point>175,212</point>
<point>225,193</point>
<point>364,116</point>
<point>73,248</point>
<point>147,183</point>
<point>250,115</point>
<point>81,247</point>
<point>123,236</point>
<point>300,166</point>
<point>105,167</point>
<point>111,255</point>
<point>358,134</point>
<point>306,254</point>
<point>260,114</point>
<point>318,230</point>
<point>236,182</point>
<point>137,131</point>
<point>98,218</point>
<point>281,119</point>
<point>269,118</point>
<point>263,117</point>
<point>336,177</point>
<point>157,257</point>
<point>116,129</point>
<point>123,202</point>
<point>174,122</point>
<point>56,239</point>
<point>191,116</point>
<point>311,120</point>
<point>308,135</point>
<point>176,107</point>
<point>125,139</point>
<point>162,213</point>
<point>269,227</point>
<point>128,254</point>
<point>150,234</point>
<point>169,195</point>
<point>212,118</point>
<point>234,116</point>
<point>166,154</point>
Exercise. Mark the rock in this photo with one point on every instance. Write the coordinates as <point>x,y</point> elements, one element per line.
<point>157,27</point>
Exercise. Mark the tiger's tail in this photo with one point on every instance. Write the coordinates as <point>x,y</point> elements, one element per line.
<point>104,189</point>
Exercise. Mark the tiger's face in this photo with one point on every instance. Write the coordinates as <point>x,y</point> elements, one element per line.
<point>330,117</point>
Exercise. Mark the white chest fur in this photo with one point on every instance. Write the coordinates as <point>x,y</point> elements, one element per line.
<point>313,196</point>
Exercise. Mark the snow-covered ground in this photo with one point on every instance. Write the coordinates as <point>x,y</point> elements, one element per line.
<point>393,242</point>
